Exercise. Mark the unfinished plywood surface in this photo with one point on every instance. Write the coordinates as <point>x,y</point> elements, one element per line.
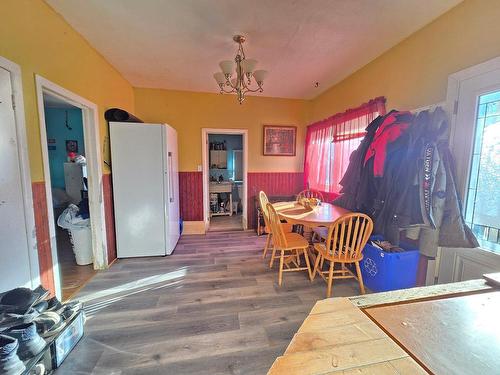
<point>338,338</point>
<point>459,335</point>
<point>422,293</point>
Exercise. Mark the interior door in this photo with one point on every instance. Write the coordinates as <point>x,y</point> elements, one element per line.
<point>15,268</point>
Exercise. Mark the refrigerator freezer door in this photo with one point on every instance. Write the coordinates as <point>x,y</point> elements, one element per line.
<point>172,189</point>
<point>138,187</point>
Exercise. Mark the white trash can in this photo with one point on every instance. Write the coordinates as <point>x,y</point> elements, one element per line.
<point>80,234</point>
<point>82,245</point>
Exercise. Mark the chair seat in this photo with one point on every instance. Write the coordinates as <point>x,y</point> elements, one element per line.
<point>322,232</point>
<point>321,247</point>
<point>296,241</point>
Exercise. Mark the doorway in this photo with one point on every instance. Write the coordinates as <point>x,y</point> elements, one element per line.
<point>69,188</point>
<point>73,180</point>
<point>224,179</point>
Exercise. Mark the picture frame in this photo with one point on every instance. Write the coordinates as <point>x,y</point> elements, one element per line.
<point>279,140</point>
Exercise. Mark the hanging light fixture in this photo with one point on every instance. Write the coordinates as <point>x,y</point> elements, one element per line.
<point>245,70</point>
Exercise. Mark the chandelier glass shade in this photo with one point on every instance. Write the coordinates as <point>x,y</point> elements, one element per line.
<point>245,71</point>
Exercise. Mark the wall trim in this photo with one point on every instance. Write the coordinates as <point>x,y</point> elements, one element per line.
<point>22,147</point>
<point>193,227</point>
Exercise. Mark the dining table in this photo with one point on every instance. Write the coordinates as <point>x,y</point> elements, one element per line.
<point>324,214</point>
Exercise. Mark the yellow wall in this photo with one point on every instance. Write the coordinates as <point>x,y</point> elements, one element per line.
<point>34,36</point>
<point>189,112</point>
<point>414,73</point>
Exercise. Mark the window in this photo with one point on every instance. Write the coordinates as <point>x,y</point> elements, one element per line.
<point>482,212</point>
<point>330,142</point>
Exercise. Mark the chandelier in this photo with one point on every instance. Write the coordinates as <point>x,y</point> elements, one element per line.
<point>245,70</point>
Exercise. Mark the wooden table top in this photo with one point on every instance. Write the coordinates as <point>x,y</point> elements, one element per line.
<point>459,335</point>
<point>322,215</point>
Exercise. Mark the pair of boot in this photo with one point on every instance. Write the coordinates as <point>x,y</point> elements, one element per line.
<point>18,344</point>
<point>19,339</point>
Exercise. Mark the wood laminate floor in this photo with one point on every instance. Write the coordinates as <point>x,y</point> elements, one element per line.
<point>213,307</point>
<point>225,223</point>
<point>73,276</point>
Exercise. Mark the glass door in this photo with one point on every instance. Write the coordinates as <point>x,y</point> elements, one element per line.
<point>476,145</point>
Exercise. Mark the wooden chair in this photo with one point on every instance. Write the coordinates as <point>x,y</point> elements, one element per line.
<point>317,232</point>
<point>263,201</point>
<point>310,194</point>
<point>347,237</point>
<point>292,243</point>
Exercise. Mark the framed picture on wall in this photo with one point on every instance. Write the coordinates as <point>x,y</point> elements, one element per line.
<point>279,140</point>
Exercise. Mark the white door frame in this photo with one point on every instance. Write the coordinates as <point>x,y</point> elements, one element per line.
<point>22,149</point>
<point>205,157</point>
<point>94,166</point>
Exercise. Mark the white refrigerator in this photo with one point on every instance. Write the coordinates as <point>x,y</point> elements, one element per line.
<point>144,167</point>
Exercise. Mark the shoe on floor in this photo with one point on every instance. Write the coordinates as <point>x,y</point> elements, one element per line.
<point>21,300</point>
<point>70,309</point>
<point>10,364</point>
<point>11,319</point>
<point>41,306</point>
<point>30,342</point>
<point>48,323</point>
<point>54,304</point>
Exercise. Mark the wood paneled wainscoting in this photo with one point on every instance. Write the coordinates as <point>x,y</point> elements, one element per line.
<point>272,183</point>
<point>43,236</point>
<point>191,201</point>
<point>109,214</point>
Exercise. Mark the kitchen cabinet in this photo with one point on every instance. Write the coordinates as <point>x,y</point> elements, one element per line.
<point>218,159</point>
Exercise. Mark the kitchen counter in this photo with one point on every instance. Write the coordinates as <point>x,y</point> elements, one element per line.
<point>225,187</point>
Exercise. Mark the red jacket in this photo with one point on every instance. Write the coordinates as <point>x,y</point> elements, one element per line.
<point>391,129</point>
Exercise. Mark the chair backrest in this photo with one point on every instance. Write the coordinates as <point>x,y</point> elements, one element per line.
<point>348,235</point>
<point>310,194</point>
<point>263,201</point>
<point>279,238</point>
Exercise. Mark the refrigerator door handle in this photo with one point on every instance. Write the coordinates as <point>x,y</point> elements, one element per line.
<point>170,178</point>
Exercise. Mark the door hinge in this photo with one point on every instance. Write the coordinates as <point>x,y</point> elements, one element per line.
<point>13,102</point>
<point>455,107</point>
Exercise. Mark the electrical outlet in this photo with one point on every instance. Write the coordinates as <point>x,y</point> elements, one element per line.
<point>199,167</point>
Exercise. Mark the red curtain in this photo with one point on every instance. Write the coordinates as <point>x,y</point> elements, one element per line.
<point>330,142</point>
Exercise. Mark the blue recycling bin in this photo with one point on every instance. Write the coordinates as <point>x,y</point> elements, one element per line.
<point>383,271</point>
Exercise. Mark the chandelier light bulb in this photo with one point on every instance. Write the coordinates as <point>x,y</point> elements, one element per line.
<point>248,65</point>
<point>260,75</point>
<point>220,78</point>
<point>227,67</point>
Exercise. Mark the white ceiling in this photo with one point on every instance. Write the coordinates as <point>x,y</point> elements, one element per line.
<point>177,44</point>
